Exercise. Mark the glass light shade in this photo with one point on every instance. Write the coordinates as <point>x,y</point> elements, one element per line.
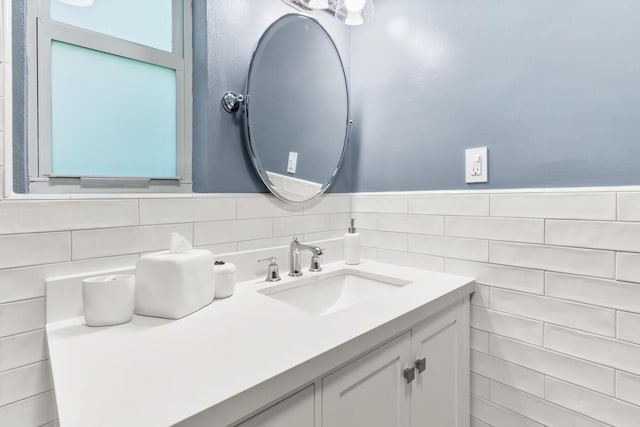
<point>354,12</point>
<point>319,4</point>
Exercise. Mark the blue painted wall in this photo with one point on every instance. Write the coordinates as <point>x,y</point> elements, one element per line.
<point>19,93</point>
<point>225,34</point>
<point>551,87</point>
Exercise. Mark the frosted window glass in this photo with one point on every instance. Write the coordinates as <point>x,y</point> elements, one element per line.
<point>111,116</point>
<point>147,22</point>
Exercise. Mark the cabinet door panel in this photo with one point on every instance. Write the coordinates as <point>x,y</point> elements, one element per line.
<point>295,411</point>
<point>370,391</point>
<point>437,390</point>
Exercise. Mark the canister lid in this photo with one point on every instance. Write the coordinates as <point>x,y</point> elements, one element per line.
<point>222,267</point>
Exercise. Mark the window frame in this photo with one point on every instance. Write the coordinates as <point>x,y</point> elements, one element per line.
<point>41,31</point>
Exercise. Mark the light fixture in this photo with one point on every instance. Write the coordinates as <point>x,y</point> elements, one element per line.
<point>318,4</point>
<point>349,12</point>
<point>354,12</point>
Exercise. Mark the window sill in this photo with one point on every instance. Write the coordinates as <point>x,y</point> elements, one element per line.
<point>72,186</point>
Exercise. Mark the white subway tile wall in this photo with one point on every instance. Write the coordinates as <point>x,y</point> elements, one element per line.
<point>588,402</point>
<point>628,387</point>
<point>52,238</point>
<point>508,373</point>
<point>480,385</point>
<point>555,319</point>
<point>551,325</point>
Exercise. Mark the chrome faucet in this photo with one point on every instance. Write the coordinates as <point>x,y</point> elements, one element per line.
<point>295,257</point>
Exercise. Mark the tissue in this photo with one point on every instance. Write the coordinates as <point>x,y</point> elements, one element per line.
<point>174,283</point>
<point>179,244</point>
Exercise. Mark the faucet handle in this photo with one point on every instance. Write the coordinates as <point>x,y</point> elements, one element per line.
<point>273,274</point>
<point>315,260</point>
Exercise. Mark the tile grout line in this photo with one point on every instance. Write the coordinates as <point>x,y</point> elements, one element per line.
<point>504,408</point>
<point>537,370</point>
<point>29,397</point>
<point>550,402</point>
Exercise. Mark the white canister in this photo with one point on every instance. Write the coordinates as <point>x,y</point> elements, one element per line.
<point>108,300</point>
<point>225,273</point>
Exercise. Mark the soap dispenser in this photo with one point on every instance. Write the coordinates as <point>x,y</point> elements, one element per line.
<point>352,245</point>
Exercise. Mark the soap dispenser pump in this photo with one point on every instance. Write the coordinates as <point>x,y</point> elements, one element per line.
<point>352,245</point>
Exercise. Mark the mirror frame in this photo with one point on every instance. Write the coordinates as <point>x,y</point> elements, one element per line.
<point>247,131</point>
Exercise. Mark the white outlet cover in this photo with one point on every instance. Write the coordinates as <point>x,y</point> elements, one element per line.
<point>472,156</point>
<point>292,162</point>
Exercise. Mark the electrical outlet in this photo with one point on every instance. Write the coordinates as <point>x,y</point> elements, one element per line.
<point>476,165</point>
<point>292,163</point>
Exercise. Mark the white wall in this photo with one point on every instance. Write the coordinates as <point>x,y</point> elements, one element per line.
<point>556,318</point>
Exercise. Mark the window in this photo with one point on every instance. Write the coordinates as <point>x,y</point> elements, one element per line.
<point>112,104</point>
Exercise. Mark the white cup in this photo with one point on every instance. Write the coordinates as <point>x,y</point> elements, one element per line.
<point>108,300</point>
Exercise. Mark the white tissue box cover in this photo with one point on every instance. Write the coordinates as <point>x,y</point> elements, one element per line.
<point>173,285</point>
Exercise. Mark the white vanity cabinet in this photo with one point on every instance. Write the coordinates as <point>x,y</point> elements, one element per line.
<point>370,391</point>
<point>440,350</point>
<point>418,379</point>
<point>295,411</point>
<point>259,359</point>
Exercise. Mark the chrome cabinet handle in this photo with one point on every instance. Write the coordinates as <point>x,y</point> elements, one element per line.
<point>409,374</point>
<point>421,365</point>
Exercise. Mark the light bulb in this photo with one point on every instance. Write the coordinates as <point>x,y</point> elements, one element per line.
<point>354,5</point>
<point>354,12</point>
<point>318,4</point>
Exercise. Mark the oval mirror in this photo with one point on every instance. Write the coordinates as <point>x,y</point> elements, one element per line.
<point>296,109</point>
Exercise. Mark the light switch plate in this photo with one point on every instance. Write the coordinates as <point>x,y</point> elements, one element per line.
<point>292,163</point>
<point>476,165</point>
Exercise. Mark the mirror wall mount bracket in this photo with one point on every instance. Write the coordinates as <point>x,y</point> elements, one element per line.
<point>231,101</point>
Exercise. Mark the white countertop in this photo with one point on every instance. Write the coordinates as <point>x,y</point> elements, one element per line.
<point>154,372</point>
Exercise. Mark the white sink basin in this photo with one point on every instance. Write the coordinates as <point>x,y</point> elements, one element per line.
<point>327,293</point>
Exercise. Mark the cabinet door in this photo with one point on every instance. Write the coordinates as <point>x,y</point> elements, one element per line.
<point>438,393</point>
<point>295,411</point>
<point>370,391</point>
